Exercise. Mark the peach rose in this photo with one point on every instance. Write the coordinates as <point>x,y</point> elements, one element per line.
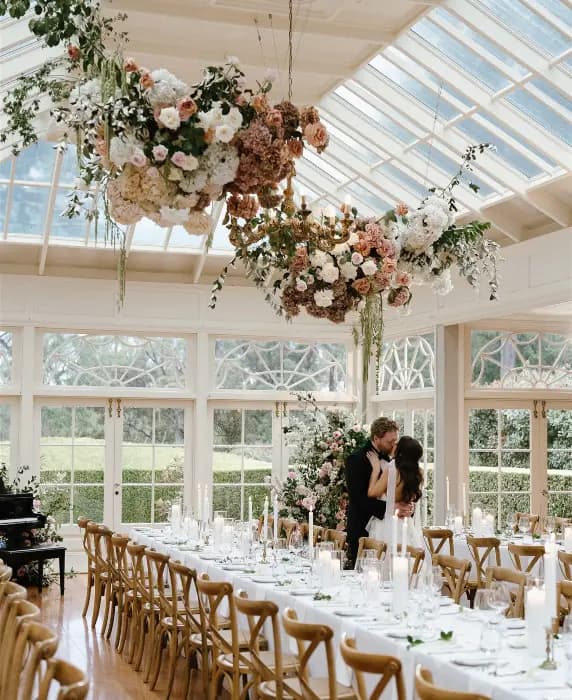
<point>399,297</point>
<point>363,247</point>
<point>295,147</point>
<point>259,103</point>
<point>130,66</point>
<point>316,135</point>
<point>362,286</point>
<point>273,118</point>
<point>401,209</point>
<point>187,107</point>
<point>389,265</point>
<point>402,279</point>
<point>101,147</point>
<point>146,80</point>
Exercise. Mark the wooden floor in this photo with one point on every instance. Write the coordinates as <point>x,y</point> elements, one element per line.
<point>111,677</point>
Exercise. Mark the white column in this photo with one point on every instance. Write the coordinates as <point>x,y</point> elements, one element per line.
<point>449,417</point>
<point>201,471</point>
<point>28,442</point>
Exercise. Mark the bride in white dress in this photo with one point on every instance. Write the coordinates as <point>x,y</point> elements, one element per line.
<point>398,484</point>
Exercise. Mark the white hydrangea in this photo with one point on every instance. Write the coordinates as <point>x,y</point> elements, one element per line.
<point>233,118</point>
<point>340,249</point>
<point>320,258</point>
<point>348,270</point>
<point>369,267</point>
<point>121,150</point>
<point>443,284</point>
<point>330,273</point>
<point>167,88</point>
<point>173,217</point>
<point>220,161</point>
<point>426,225</point>
<point>324,298</point>
<point>212,118</point>
<point>193,182</point>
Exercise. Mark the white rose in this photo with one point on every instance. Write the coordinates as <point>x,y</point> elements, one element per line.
<point>169,118</point>
<point>348,270</point>
<point>233,118</point>
<point>212,118</point>
<point>353,239</point>
<point>324,298</point>
<point>319,259</point>
<point>369,267</point>
<point>330,273</point>
<point>301,286</point>
<point>224,133</point>
<point>340,249</point>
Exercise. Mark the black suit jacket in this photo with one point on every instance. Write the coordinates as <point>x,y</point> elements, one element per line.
<point>361,507</point>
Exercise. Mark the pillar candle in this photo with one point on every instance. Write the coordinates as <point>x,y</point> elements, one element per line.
<point>275,522</point>
<point>311,533</point>
<point>458,524</point>
<point>176,518</point>
<point>550,581</point>
<point>394,533</point>
<point>568,539</point>
<point>199,503</point>
<point>477,520</point>
<point>535,621</point>
<point>404,538</point>
<point>400,594</point>
<point>250,512</point>
<point>218,526</point>
<point>265,520</point>
<point>447,494</point>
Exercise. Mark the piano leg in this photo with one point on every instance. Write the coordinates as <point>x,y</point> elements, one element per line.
<point>62,558</point>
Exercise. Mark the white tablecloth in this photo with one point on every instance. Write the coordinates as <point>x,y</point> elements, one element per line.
<point>372,637</point>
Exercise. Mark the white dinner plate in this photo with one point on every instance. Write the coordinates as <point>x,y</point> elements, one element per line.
<point>263,579</point>
<point>235,567</point>
<point>398,634</point>
<point>209,556</point>
<point>351,612</point>
<point>303,591</point>
<point>477,661</point>
<point>445,601</point>
<point>517,642</point>
<point>516,624</point>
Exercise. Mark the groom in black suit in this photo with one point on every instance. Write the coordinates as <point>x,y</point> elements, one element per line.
<point>361,508</point>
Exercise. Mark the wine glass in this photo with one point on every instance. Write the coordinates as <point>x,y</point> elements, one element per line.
<point>523,524</point>
<point>499,600</point>
<point>549,524</point>
<point>511,525</point>
<point>436,580</point>
<point>296,541</point>
<point>482,603</point>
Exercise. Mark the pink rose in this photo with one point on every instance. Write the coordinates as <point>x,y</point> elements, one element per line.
<point>291,475</point>
<point>146,80</point>
<point>357,258</point>
<point>187,107</point>
<point>138,158</point>
<point>160,152</point>
<point>402,279</point>
<point>362,286</point>
<point>401,209</point>
<point>273,118</point>
<point>389,265</point>
<point>316,135</point>
<point>130,66</point>
<point>179,159</point>
<point>399,297</point>
<point>386,248</point>
<point>337,434</point>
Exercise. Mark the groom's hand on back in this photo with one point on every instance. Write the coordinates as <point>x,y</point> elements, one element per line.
<point>404,510</point>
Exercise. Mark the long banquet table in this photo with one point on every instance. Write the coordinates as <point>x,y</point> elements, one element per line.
<point>519,676</point>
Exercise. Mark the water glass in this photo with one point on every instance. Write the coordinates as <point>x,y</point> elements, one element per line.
<point>523,524</point>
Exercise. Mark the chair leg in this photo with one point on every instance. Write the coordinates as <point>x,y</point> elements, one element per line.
<point>173,656</point>
<point>108,603</point>
<point>113,605</point>
<point>149,655</point>
<point>87,594</point>
<point>140,648</point>
<point>126,621</point>
<point>156,658</point>
<point>97,600</point>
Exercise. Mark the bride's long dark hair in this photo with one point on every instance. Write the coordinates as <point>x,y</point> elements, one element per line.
<point>407,455</point>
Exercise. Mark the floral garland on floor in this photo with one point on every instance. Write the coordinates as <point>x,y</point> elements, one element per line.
<point>27,574</point>
<point>379,262</point>
<point>148,144</point>
<point>322,442</point>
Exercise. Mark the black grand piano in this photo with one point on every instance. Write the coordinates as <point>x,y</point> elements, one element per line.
<point>17,520</point>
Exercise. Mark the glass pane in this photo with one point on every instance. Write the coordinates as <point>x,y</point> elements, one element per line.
<point>62,226</point>
<point>483,428</point>
<point>89,423</point>
<point>258,427</point>
<point>56,464</point>
<point>257,464</point>
<point>56,501</point>
<point>4,423</point>
<point>487,502</point>
<point>559,428</point>
<point>170,425</point>
<point>3,196</point>
<point>542,113</point>
<point>6,341</point>
<point>227,498</point>
<point>137,464</point>
<point>227,426</point>
<point>483,459</point>
<point>514,503</point>
<point>169,464</point>
<point>258,493</point>
<point>164,497</point>
<point>227,465</point>
<point>408,363</point>
<point>515,428</point>
<point>88,503</point>
<point>137,425</point>
<point>56,424</point>
<point>89,464</point>
<point>559,503</point>
<point>483,479</point>
<point>515,480</point>
<point>69,170</point>
<point>36,163</point>
<point>28,212</point>
<point>5,166</point>
<point>136,504</point>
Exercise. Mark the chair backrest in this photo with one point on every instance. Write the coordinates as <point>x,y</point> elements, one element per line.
<point>526,557</point>
<point>388,667</point>
<point>82,524</point>
<point>72,683</point>
<point>183,584</point>
<point>155,566</point>
<point>516,581</point>
<point>98,537</point>
<point>426,690</point>
<point>35,643</point>
<point>417,554</point>
<point>18,612</point>
<point>259,613</point>
<point>564,591</point>
<point>481,550</point>
<point>308,638</point>
<point>455,572</point>
<point>288,526</point>
<point>534,522</point>
<point>337,537</point>
<point>565,559</point>
<point>436,538</point>
<point>119,556</point>
<point>215,596</point>
<point>9,591</point>
<point>370,544</point>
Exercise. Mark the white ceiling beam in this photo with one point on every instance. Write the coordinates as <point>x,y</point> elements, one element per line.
<point>50,209</point>
<point>551,206</point>
<point>201,259</point>
<point>504,222</point>
<point>509,41</point>
<point>536,136</point>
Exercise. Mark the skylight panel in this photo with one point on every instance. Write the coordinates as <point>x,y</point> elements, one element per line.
<point>378,118</point>
<point>69,171</point>
<point>356,147</point>
<point>432,100</point>
<point>477,133</point>
<point>5,169</point>
<point>323,163</point>
<point>377,204</point>
<point>519,18</point>
<point>450,166</point>
<point>464,31</point>
<point>36,163</point>
<point>3,196</point>
<point>468,60</point>
<point>559,9</point>
<point>542,113</point>
<point>552,93</point>
<point>148,234</point>
<point>220,242</point>
<point>28,210</point>
<point>181,239</point>
<point>398,175</point>
<point>62,227</point>
<point>508,133</point>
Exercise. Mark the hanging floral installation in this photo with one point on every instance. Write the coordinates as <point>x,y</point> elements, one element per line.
<point>148,144</point>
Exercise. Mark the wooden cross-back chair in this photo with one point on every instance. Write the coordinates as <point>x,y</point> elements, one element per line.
<point>437,538</point>
<point>534,522</point>
<point>70,681</point>
<point>116,546</point>
<point>526,557</point>
<point>455,574</point>
<point>337,537</point>
<point>482,549</point>
<point>565,559</point>
<point>426,690</point>
<point>388,667</point>
<point>130,571</point>
<point>564,595</point>
<point>516,582</point>
<point>35,644</point>
<point>98,568</point>
<point>18,612</point>
<point>368,544</point>
<point>9,592</point>
<point>156,566</point>
<point>309,637</point>
<point>270,667</point>
<point>288,527</point>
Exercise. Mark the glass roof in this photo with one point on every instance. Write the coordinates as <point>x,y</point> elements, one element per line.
<point>468,71</point>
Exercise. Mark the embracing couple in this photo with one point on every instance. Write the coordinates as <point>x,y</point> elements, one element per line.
<point>382,477</point>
